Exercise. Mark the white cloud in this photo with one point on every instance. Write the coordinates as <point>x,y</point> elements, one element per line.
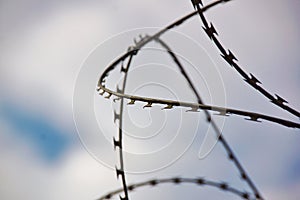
<point>40,60</point>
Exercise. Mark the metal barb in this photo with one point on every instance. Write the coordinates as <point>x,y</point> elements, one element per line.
<point>222,113</point>
<point>253,79</point>
<point>119,172</point>
<point>253,118</point>
<point>169,106</point>
<point>210,31</point>
<point>116,99</point>
<point>197,3</point>
<point>193,109</point>
<point>131,102</point>
<point>280,100</point>
<point>108,96</point>
<point>123,198</point>
<point>116,116</point>
<point>102,92</point>
<point>116,143</point>
<point>123,69</point>
<point>148,105</point>
<point>118,90</point>
<point>229,57</point>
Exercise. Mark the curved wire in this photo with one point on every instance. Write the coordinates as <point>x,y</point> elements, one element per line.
<point>194,106</point>
<point>118,143</point>
<point>132,51</point>
<point>209,119</point>
<point>230,58</point>
<point>177,180</point>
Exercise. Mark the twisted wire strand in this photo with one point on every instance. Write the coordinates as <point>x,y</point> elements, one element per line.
<point>231,59</point>
<point>224,187</point>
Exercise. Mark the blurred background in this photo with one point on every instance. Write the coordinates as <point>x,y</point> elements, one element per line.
<point>44,45</point>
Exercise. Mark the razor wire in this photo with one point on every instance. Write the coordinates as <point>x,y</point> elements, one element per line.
<point>222,186</point>
<point>121,95</point>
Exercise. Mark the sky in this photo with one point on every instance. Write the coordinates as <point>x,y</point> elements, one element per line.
<point>56,132</point>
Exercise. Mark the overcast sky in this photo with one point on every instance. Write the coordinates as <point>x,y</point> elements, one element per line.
<point>47,46</point>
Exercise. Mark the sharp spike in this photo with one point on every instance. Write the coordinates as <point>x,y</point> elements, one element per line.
<point>106,74</point>
<point>123,69</point>
<point>116,99</point>
<point>119,172</point>
<point>193,109</point>
<point>229,58</point>
<point>222,113</point>
<point>148,105</point>
<point>253,118</point>
<point>252,80</point>
<point>131,102</point>
<point>108,96</point>
<point>119,90</point>
<point>196,2</point>
<point>116,143</point>
<point>102,92</point>
<point>116,116</point>
<point>169,106</point>
<point>210,31</point>
<point>123,198</point>
<point>280,99</point>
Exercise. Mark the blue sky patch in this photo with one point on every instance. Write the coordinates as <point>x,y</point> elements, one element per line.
<point>47,139</point>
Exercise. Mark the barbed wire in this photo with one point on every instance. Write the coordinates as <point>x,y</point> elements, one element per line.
<point>130,53</point>
<point>120,94</point>
<point>231,59</point>
<point>210,120</point>
<point>223,186</point>
<point>119,142</point>
<point>223,111</point>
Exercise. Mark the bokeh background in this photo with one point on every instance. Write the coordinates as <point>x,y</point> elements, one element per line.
<point>43,47</point>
